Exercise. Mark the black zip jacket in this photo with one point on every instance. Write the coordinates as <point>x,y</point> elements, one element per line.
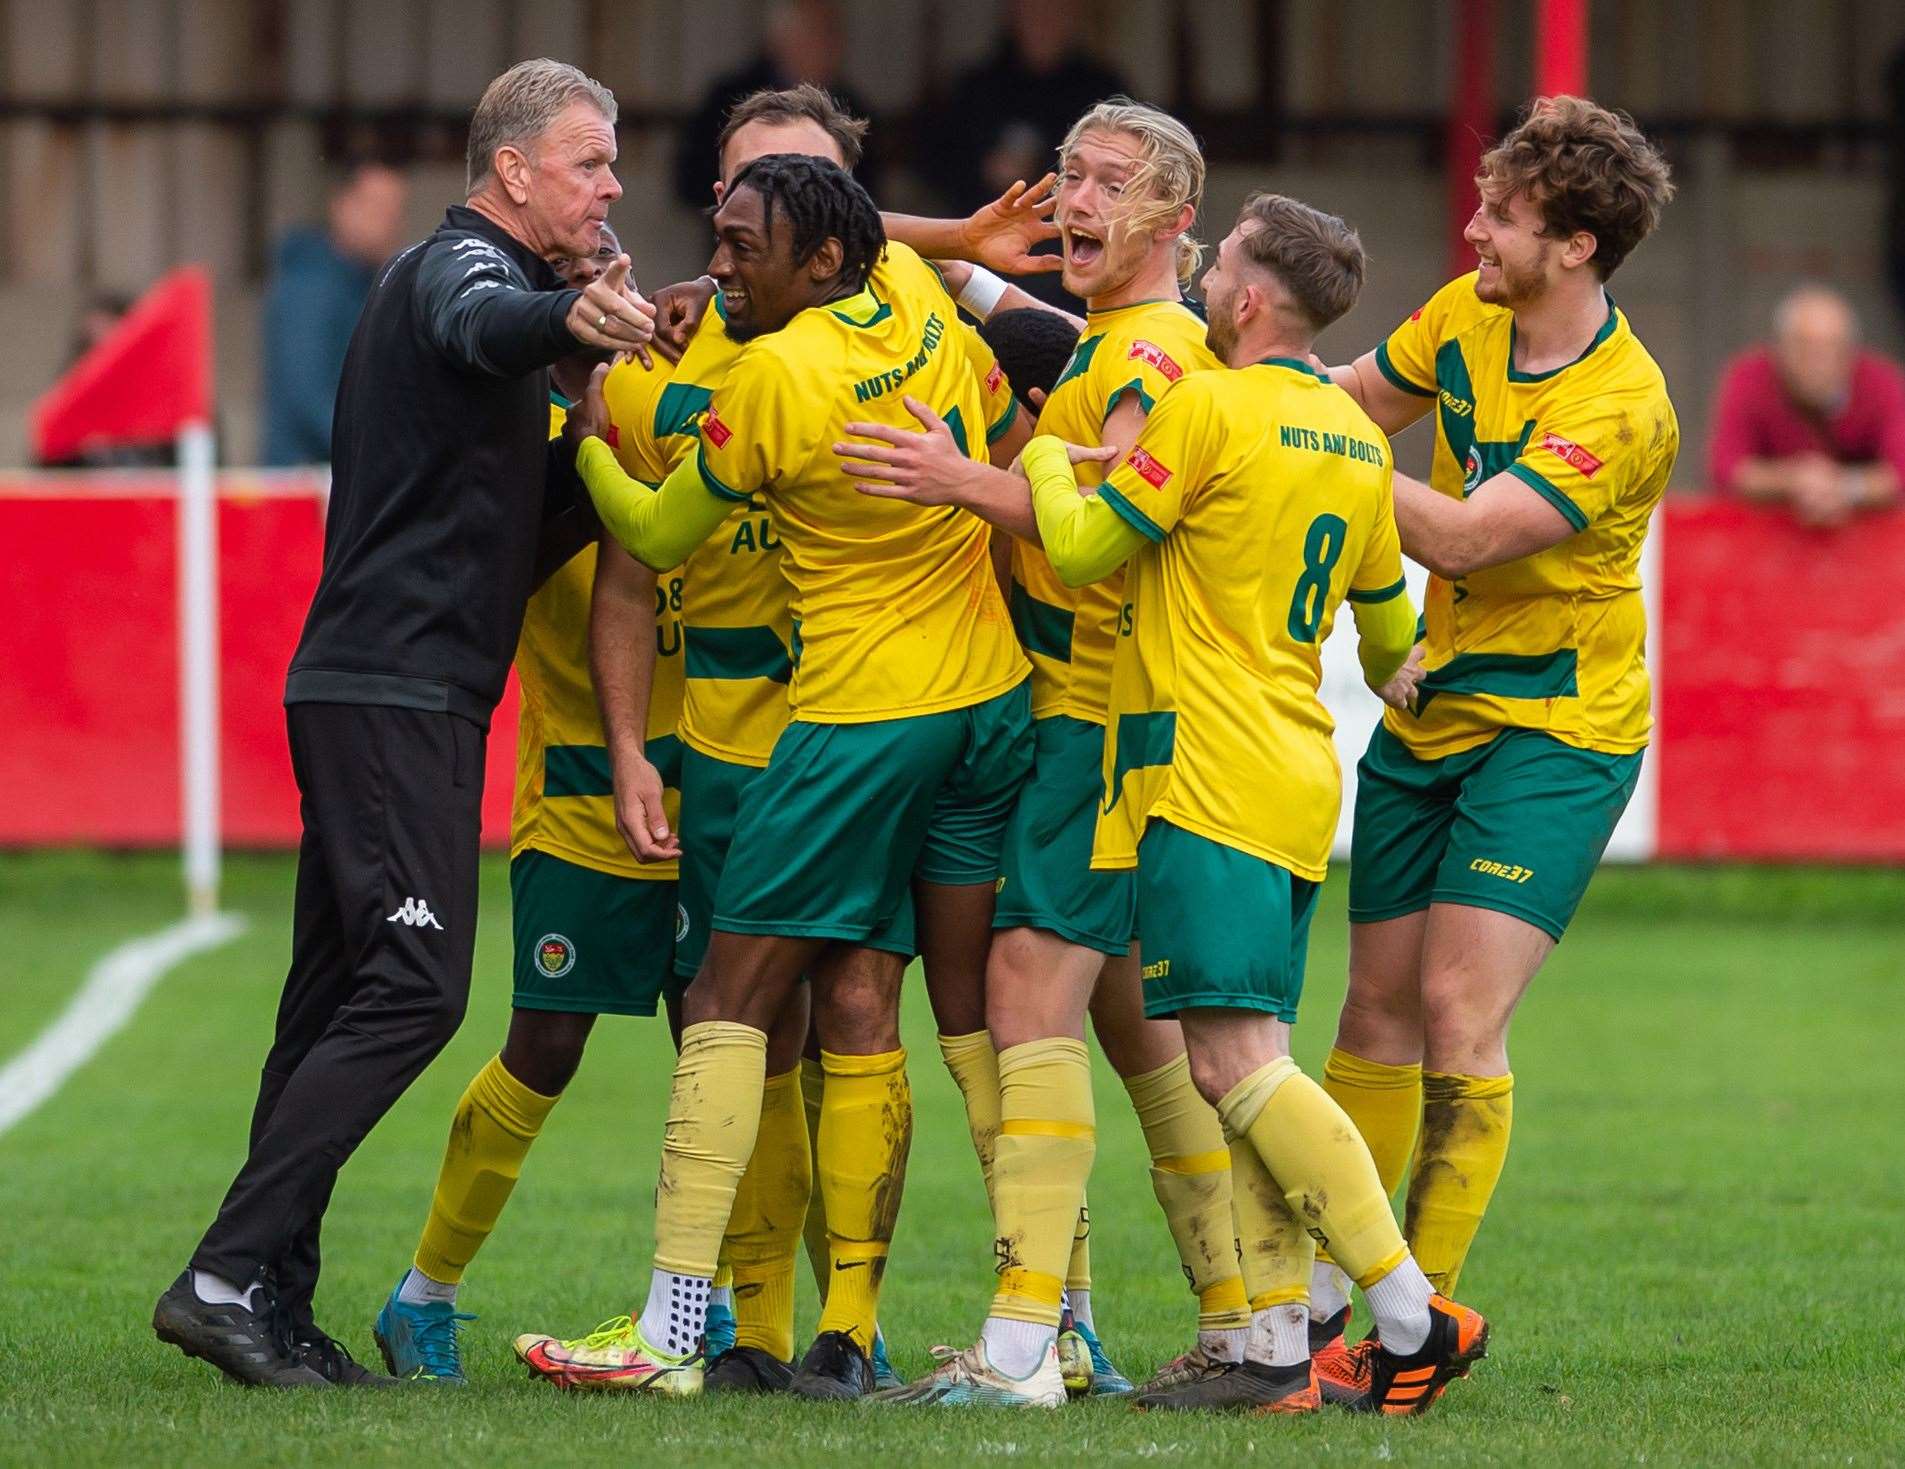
<point>444,480</point>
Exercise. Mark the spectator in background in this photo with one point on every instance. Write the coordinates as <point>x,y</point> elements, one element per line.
<point>1007,115</point>
<point>318,284</point>
<point>805,42</point>
<point>1811,420</point>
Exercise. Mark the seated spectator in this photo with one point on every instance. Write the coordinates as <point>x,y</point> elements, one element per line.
<point>1812,420</point>
<point>317,288</point>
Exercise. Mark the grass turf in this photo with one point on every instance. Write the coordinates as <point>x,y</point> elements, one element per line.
<point>1694,1256</point>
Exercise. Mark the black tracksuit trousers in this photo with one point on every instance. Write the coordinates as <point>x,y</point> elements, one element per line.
<point>383,931</point>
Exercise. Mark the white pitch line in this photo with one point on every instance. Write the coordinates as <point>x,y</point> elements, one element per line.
<point>111,995</point>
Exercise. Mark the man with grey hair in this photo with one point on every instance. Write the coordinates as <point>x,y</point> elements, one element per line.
<point>449,503</point>
<point>1811,420</point>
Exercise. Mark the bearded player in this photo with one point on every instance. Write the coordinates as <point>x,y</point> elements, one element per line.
<point>1483,807</point>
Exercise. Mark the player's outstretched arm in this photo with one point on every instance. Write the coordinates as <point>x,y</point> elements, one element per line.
<point>1392,409</point>
<point>657,527</point>
<point>1385,637</point>
<point>999,235</point>
<point>622,665</point>
<point>928,468</point>
<point>1503,520</point>
<point>1085,538</point>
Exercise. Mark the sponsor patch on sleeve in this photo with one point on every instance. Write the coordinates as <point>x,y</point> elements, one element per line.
<point>1148,469</point>
<point>994,378</point>
<point>1152,353</point>
<point>714,430</point>
<point>1572,454</point>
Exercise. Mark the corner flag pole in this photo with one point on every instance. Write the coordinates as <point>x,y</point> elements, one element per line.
<point>198,666</point>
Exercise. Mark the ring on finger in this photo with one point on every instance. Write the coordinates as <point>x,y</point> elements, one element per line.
<point>602,321</point>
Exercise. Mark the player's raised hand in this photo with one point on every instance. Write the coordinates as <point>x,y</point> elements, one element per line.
<point>678,312</point>
<point>639,813</point>
<point>1001,234</point>
<point>1400,691</point>
<point>611,314</point>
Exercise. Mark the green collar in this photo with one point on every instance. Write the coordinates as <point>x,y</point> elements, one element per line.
<point>1296,364</point>
<point>862,309</point>
<point>1606,331</point>
<point>565,404</point>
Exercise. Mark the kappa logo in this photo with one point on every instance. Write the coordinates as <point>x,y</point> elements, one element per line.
<point>714,430</point>
<point>1571,453</point>
<point>1149,469</point>
<point>415,913</point>
<point>1152,353</point>
<point>555,955</point>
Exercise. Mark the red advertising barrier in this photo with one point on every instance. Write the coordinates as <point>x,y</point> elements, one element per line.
<point>1781,683</point>
<point>1782,687</point>
<point>89,678</point>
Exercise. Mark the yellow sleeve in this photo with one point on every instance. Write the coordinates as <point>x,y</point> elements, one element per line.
<point>631,393</point>
<point>1085,539</point>
<point>1407,358</point>
<point>657,527</point>
<point>754,431</point>
<point>994,391</point>
<point>1582,455</point>
<point>1153,484</point>
<point>1136,365</point>
<point>1379,597</point>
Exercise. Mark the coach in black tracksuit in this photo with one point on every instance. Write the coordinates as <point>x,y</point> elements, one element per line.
<point>448,503</point>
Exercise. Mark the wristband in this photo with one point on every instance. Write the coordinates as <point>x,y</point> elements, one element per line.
<point>980,295</point>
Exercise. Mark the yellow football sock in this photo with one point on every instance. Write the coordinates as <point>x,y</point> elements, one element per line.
<point>764,1229</point>
<point>495,1122</point>
<point>1078,1271</point>
<point>813,1084</point>
<point>1190,1173</point>
<point>1274,1249</point>
<point>714,1115</point>
<point>1465,1126</point>
<point>1047,1136</point>
<point>974,1065</point>
<point>1323,1167</point>
<point>866,1130</point>
<point>1385,1103</point>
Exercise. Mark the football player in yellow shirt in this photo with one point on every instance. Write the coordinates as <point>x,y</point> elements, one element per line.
<point>1485,802</point>
<point>1130,180</point>
<point>910,736</point>
<point>594,928</point>
<point>1255,501</point>
<point>738,631</point>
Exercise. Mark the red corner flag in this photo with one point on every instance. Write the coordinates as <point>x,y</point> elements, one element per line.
<point>148,377</point>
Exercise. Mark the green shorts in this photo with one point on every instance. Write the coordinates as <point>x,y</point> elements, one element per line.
<point>590,942</point>
<point>713,793</point>
<point>1219,927</point>
<point>1045,876</point>
<point>1517,825</point>
<point>846,815</point>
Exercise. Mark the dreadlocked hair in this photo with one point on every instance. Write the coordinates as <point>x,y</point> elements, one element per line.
<point>822,202</point>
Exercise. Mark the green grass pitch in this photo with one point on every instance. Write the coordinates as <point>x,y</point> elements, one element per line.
<point>1697,1254</point>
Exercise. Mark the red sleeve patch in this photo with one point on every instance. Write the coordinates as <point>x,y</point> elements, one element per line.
<point>714,430</point>
<point>1572,453</point>
<point>1148,469</point>
<point>1416,315</point>
<point>995,378</point>
<point>1152,353</point>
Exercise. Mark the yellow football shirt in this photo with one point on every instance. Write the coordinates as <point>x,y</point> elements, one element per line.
<point>1070,632</point>
<point>895,609</point>
<point>1554,641</point>
<point>1266,494</point>
<point>735,614</point>
<point>565,801</point>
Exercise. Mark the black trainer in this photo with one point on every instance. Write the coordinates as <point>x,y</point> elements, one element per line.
<point>1327,1333</point>
<point>1248,1387</point>
<point>834,1368</point>
<point>747,1369</point>
<point>248,1346</point>
<point>331,1359</point>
